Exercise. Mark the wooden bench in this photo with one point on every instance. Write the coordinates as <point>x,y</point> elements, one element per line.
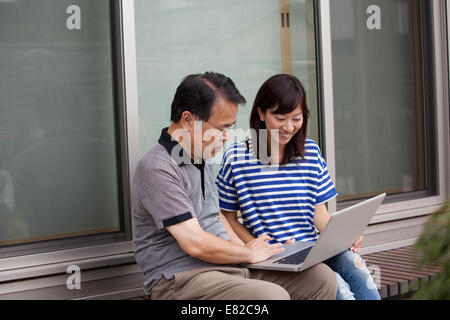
<point>399,276</point>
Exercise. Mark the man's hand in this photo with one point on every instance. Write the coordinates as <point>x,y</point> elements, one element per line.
<point>262,250</point>
<point>356,247</point>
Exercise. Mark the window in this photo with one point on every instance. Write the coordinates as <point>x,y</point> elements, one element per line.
<point>60,169</point>
<point>249,41</point>
<point>383,105</point>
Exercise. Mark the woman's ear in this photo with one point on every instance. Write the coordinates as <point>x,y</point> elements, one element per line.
<point>261,114</point>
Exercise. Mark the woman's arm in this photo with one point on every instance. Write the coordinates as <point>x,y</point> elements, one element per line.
<point>231,233</point>
<point>237,228</point>
<point>321,217</point>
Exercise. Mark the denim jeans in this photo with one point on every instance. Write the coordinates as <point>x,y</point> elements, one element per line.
<point>353,277</point>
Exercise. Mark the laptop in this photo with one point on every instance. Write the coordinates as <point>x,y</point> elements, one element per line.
<point>342,230</point>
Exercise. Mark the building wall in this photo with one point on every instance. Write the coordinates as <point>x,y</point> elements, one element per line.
<point>94,84</point>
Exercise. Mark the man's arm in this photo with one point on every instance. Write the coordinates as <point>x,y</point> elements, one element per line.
<point>240,230</point>
<point>205,246</point>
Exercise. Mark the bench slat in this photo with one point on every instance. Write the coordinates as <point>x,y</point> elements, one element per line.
<point>399,271</point>
<point>400,267</point>
<point>412,266</point>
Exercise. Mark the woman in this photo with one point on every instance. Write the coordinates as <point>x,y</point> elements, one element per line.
<point>279,181</point>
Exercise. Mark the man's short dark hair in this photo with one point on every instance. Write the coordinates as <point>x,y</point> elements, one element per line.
<point>198,92</point>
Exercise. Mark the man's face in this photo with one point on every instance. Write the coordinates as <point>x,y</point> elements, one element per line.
<point>210,136</point>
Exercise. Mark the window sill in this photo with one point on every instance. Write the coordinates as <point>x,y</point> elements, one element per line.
<point>50,263</point>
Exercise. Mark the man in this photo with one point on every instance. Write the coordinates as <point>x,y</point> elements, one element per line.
<point>183,244</point>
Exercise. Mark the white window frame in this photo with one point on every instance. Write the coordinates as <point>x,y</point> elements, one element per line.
<point>408,208</point>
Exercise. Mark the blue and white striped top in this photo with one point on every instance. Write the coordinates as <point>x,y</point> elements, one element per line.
<point>277,200</point>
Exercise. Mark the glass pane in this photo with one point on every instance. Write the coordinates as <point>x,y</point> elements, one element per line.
<point>379,110</point>
<point>57,161</point>
<point>245,40</point>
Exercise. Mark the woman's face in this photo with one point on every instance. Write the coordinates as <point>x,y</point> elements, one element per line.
<point>287,124</point>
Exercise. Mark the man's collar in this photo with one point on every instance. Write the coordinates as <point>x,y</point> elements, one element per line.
<point>167,142</point>
<point>175,150</point>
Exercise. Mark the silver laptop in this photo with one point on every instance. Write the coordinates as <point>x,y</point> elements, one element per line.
<point>342,230</point>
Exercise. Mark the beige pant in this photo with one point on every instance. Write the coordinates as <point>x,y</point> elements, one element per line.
<point>226,283</point>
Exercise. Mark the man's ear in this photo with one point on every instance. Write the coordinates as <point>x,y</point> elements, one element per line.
<point>187,120</point>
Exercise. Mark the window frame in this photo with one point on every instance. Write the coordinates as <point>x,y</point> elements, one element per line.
<point>53,257</point>
<point>396,207</point>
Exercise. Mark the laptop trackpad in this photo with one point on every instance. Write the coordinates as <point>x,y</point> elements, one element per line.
<point>292,249</point>
<point>295,258</point>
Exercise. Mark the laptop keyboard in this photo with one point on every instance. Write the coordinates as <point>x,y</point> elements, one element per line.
<point>295,258</point>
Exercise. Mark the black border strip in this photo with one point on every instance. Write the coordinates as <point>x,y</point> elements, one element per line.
<point>178,219</point>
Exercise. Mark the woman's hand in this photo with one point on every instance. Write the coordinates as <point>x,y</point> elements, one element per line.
<point>291,241</point>
<point>356,247</point>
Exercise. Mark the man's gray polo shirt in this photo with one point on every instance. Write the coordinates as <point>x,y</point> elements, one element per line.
<point>166,193</point>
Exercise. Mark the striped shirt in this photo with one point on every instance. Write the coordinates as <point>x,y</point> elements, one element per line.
<point>277,200</point>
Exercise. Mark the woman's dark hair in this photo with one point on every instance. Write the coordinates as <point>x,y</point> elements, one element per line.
<point>198,92</point>
<point>285,93</point>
